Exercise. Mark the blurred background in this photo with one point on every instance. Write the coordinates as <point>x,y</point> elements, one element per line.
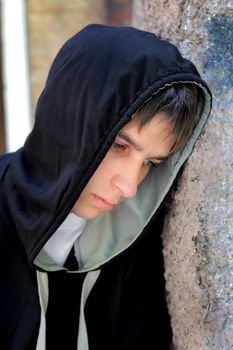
<point>32,31</point>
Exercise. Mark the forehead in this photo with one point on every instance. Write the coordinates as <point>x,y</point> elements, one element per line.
<point>156,135</point>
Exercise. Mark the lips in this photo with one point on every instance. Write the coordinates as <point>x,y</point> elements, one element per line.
<point>103,203</point>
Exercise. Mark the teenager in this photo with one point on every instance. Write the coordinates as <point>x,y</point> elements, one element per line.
<point>82,201</point>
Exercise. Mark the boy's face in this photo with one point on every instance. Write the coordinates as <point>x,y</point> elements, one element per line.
<point>125,165</point>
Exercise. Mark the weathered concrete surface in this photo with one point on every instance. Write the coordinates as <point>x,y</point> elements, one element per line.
<point>198,235</point>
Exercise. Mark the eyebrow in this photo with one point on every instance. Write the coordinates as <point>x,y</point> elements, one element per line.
<point>123,135</point>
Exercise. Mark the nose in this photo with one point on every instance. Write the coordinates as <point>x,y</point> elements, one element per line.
<point>127,182</point>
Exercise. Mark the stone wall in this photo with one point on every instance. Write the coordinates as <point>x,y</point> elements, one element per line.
<point>198,234</point>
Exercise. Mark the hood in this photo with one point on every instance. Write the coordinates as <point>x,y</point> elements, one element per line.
<point>97,82</point>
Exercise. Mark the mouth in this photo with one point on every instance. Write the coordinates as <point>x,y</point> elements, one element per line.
<point>103,203</point>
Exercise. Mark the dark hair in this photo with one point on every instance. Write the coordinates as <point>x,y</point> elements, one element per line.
<point>182,103</point>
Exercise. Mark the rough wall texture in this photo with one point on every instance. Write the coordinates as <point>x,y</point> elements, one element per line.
<point>198,235</point>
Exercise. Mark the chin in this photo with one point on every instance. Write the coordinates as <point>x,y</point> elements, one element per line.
<point>86,214</point>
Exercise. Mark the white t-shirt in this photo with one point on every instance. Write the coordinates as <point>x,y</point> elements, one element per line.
<point>59,245</point>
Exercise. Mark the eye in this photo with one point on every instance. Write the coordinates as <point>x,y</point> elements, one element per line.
<point>149,163</point>
<point>118,146</point>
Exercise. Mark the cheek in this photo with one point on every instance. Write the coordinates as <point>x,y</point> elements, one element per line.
<point>143,173</point>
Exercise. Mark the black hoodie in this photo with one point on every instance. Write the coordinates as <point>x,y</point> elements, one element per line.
<point>115,300</point>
